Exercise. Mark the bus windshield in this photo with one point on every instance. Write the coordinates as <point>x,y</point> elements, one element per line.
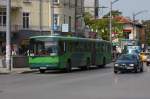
<point>39,47</point>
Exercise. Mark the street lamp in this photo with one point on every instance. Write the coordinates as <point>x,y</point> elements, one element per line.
<point>134,15</point>
<point>110,17</point>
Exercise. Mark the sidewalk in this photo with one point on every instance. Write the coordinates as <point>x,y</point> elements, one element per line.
<point>3,71</point>
<point>17,71</point>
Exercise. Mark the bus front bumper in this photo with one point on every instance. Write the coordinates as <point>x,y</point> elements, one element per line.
<point>44,66</point>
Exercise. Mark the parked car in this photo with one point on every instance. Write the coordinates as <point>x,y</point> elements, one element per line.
<point>128,62</point>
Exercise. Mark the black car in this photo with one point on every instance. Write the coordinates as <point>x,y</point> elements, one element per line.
<point>128,62</point>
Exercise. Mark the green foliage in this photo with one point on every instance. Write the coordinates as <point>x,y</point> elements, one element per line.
<point>87,18</point>
<point>102,25</point>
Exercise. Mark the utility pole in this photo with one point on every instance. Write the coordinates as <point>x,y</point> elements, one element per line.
<point>52,17</point>
<point>8,40</point>
<point>96,6</point>
<point>82,5</point>
<point>40,16</point>
<point>76,3</point>
<point>110,23</point>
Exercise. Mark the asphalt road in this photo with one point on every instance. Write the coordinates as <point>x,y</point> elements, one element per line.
<point>92,84</point>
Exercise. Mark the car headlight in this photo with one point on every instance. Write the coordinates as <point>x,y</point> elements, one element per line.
<point>131,64</point>
<point>116,65</point>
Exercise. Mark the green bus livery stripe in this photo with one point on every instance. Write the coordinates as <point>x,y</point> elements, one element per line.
<point>43,65</point>
<point>48,59</point>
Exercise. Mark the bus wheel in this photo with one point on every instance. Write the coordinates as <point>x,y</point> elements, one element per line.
<point>104,63</point>
<point>68,67</point>
<point>88,64</point>
<point>42,71</point>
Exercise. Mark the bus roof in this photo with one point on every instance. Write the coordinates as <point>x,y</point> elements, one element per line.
<point>67,38</point>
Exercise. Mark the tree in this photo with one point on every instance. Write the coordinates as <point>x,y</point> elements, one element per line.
<point>101,26</point>
<point>87,18</point>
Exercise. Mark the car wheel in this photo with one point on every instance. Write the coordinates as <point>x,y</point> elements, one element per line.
<point>141,70</point>
<point>104,63</point>
<point>115,71</point>
<point>147,64</point>
<point>88,64</point>
<point>68,67</point>
<point>136,70</point>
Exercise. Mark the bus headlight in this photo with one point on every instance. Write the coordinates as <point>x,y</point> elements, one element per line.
<point>31,54</point>
<point>131,65</point>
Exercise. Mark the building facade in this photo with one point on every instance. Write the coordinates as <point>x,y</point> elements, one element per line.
<point>147,31</point>
<point>132,31</point>
<point>79,19</point>
<point>37,17</point>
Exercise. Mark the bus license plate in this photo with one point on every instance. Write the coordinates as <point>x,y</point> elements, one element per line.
<point>43,68</point>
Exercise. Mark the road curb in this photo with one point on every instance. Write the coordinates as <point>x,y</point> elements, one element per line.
<point>26,72</point>
<point>1,73</point>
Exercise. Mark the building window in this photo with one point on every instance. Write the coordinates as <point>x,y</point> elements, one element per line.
<point>25,20</point>
<point>56,21</point>
<point>2,18</point>
<point>27,1</point>
<point>70,23</point>
<point>56,1</point>
<point>126,35</point>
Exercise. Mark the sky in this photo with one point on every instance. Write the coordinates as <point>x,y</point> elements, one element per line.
<point>128,7</point>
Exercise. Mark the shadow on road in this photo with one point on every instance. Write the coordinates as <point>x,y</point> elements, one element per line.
<point>74,70</point>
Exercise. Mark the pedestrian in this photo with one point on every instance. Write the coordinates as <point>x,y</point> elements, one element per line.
<point>119,51</point>
<point>13,52</point>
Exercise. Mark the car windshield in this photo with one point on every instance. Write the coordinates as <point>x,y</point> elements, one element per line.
<point>134,52</point>
<point>127,57</point>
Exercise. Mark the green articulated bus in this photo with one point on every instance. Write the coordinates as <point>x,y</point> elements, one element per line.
<point>63,53</point>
